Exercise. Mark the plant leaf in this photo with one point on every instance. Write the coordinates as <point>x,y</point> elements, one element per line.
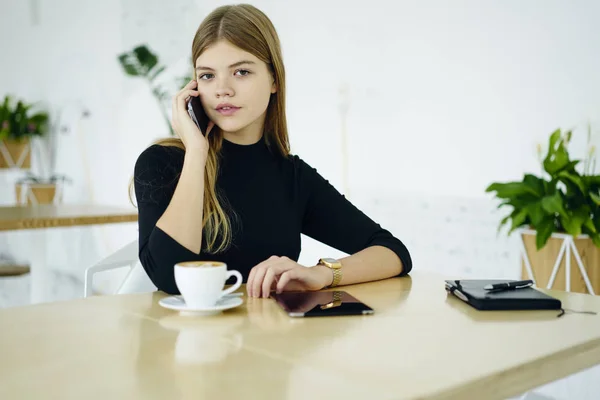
<point>554,204</point>
<point>592,181</point>
<point>557,157</point>
<point>554,137</point>
<point>595,198</point>
<point>518,218</point>
<point>588,224</point>
<point>130,66</point>
<point>597,221</point>
<point>146,58</point>
<point>510,189</point>
<point>573,223</point>
<point>595,239</point>
<point>536,213</point>
<point>557,162</point>
<point>544,231</point>
<point>566,177</point>
<point>536,184</point>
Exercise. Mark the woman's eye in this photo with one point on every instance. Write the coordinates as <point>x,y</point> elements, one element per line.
<point>205,76</point>
<point>243,72</point>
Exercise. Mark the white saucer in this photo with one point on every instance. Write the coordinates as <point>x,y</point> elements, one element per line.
<point>177,303</point>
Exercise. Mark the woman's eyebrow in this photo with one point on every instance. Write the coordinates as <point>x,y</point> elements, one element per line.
<point>237,64</point>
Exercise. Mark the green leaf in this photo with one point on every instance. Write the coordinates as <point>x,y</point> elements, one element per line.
<point>522,201</point>
<point>595,198</point>
<point>557,158</point>
<point>130,66</point>
<point>544,231</point>
<point>589,227</point>
<point>568,135</point>
<point>558,161</point>
<point>596,220</point>
<point>518,218</point>
<point>554,137</point>
<point>554,204</point>
<point>592,181</point>
<point>536,213</point>
<point>146,58</point>
<point>568,177</point>
<point>595,239</point>
<point>571,166</point>
<point>573,222</point>
<point>536,184</point>
<point>510,189</point>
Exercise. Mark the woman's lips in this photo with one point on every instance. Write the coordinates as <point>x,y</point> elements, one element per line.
<point>227,109</point>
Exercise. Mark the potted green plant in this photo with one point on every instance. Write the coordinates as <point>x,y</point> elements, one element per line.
<point>559,206</point>
<point>19,122</point>
<point>42,184</point>
<point>143,63</point>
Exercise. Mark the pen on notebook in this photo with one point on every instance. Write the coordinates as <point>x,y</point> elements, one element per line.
<point>509,285</point>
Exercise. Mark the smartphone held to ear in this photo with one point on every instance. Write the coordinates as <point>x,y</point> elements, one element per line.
<point>197,114</point>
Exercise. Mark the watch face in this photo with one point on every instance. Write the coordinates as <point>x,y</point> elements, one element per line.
<point>330,260</point>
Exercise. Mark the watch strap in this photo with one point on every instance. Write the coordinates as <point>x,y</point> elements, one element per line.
<point>336,269</point>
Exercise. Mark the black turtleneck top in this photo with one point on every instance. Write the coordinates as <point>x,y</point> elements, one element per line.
<point>274,199</point>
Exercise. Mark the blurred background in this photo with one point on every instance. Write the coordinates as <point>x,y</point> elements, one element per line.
<point>410,108</point>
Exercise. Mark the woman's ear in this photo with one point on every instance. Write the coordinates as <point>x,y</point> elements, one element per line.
<point>273,87</point>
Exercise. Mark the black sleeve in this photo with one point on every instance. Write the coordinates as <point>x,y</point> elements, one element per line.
<point>156,175</point>
<point>333,220</point>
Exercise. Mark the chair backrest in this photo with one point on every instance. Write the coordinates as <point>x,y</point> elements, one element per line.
<point>135,281</point>
<point>126,255</point>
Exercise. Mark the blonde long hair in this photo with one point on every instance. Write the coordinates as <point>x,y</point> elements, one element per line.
<point>248,28</point>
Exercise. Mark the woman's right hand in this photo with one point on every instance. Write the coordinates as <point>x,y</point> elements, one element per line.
<point>183,124</point>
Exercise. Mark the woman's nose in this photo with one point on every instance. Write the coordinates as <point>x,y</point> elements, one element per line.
<point>224,89</point>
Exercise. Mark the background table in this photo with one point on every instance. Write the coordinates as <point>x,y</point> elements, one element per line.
<point>421,343</point>
<point>53,216</point>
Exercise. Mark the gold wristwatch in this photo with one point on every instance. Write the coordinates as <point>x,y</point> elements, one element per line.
<point>336,268</point>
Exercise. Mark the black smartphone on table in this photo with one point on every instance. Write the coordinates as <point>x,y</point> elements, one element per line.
<point>198,114</point>
<point>321,304</point>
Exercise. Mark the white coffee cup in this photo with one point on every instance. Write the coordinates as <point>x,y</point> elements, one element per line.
<point>201,282</point>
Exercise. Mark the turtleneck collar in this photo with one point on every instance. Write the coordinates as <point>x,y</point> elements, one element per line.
<point>244,149</point>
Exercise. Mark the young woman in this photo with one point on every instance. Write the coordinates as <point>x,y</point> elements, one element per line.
<point>236,194</point>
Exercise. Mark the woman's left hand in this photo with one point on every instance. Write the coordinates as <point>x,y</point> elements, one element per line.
<point>283,274</point>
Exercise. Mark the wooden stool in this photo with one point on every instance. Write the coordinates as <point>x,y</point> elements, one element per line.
<point>13,270</point>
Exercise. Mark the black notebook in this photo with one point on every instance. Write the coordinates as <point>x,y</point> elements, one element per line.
<point>472,292</point>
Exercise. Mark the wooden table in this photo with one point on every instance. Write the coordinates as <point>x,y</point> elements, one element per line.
<point>54,216</point>
<point>420,344</point>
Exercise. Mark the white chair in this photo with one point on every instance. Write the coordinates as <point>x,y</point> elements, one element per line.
<point>136,280</point>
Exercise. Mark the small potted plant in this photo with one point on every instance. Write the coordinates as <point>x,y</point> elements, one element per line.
<point>18,124</point>
<point>45,185</point>
<point>558,216</point>
<point>34,190</point>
